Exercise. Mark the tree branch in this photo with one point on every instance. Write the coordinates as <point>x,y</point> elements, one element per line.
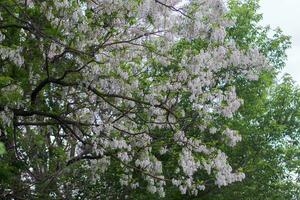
<point>173,9</point>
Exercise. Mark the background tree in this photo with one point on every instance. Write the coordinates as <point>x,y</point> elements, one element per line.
<point>268,117</point>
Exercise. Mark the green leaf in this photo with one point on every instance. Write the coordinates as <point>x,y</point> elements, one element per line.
<point>2,149</point>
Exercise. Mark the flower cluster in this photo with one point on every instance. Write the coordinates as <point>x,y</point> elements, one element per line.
<point>129,90</point>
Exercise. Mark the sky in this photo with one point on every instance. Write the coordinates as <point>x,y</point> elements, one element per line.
<point>286,15</point>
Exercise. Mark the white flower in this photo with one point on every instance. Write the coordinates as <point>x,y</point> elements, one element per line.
<point>232,137</point>
<point>182,189</point>
<point>213,130</point>
<point>188,163</point>
<point>151,188</point>
<point>124,156</point>
<point>2,36</point>
<point>163,150</point>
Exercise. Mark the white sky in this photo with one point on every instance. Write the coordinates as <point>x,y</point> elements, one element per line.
<point>286,15</point>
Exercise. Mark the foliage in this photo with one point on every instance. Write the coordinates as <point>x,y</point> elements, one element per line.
<point>2,148</point>
<point>109,99</point>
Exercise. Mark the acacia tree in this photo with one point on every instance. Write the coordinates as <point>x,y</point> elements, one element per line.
<point>130,89</point>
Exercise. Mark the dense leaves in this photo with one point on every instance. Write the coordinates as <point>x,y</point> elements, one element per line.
<point>143,100</point>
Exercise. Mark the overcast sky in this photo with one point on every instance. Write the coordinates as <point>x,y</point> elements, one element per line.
<point>286,15</point>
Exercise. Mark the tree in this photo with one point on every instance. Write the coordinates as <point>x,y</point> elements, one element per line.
<point>134,91</point>
<point>270,144</point>
<point>268,174</point>
<point>265,151</point>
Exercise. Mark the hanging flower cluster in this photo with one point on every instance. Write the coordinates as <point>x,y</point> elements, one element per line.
<point>133,81</point>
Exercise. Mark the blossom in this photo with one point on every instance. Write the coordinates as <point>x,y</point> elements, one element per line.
<point>232,137</point>
<point>112,71</point>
